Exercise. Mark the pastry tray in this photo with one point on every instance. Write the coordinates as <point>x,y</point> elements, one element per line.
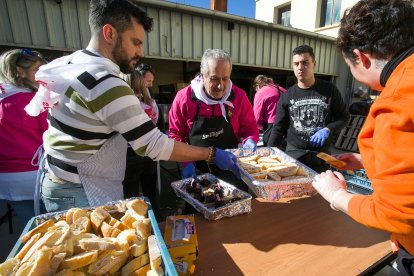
<point>272,190</point>
<point>114,206</point>
<point>210,212</point>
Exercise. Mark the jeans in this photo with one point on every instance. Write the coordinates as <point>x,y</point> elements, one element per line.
<point>63,195</point>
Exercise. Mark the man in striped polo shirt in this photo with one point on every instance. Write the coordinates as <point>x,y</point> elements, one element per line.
<point>93,114</point>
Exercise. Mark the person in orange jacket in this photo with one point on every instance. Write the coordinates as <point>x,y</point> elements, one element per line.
<point>376,39</point>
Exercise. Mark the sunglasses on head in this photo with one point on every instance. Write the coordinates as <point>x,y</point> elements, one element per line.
<point>144,68</point>
<point>24,52</point>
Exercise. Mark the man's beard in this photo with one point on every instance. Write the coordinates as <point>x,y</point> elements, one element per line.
<point>120,58</point>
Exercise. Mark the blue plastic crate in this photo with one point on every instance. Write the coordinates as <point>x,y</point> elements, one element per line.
<point>357,182</point>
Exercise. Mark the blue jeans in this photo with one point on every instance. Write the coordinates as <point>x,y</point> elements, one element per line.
<point>62,196</point>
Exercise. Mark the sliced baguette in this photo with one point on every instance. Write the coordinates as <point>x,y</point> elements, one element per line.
<point>81,225</point>
<point>79,260</point>
<point>141,271</point>
<point>154,252</point>
<point>139,206</point>
<point>41,262</point>
<point>41,228</point>
<point>48,239</point>
<point>55,263</point>
<point>143,228</point>
<point>28,245</point>
<point>135,264</point>
<point>97,217</point>
<point>139,248</point>
<point>109,261</point>
<point>158,272</point>
<point>10,266</point>
<point>109,231</point>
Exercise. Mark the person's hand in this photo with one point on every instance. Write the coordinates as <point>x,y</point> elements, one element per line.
<point>319,137</point>
<point>189,171</point>
<point>225,160</point>
<point>329,184</point>
<point>353,161</point>
<point>250,144</point>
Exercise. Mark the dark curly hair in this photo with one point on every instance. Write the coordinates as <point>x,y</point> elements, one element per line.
<point>382,28</point>
<point>118,13</point>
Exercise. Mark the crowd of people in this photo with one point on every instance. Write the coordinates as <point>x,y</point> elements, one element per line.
<point>101,141</point>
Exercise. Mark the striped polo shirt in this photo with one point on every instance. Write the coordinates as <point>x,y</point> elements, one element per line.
<point>96,105</point>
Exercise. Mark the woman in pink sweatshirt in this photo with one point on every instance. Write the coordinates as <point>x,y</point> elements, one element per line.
<point>20,134</point>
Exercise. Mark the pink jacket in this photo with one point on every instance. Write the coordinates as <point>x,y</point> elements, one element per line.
<point>20,134</point>
<point>265,104</point>
<point>183,110</point>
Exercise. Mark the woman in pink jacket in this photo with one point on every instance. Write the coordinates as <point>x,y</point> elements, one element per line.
<point>265,104</point>
<point>20,134</point>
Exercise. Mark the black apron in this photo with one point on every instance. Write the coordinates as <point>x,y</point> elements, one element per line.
<point>214,132</point>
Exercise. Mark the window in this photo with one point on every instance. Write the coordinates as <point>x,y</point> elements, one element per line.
<point>330,12</point>
<point>283,15</point>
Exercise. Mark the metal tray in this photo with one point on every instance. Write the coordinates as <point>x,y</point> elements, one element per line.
<point>209,212</point>
<point>275,190</point>
<point>114,206</point>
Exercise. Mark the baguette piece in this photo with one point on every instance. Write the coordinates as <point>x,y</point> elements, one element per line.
<point>48,239</point>
<point>135,264</point>
<point>27,246</point>
<point>154,252</point>
<point>158,272</point>
<point>41,228</point>
<point>331,160</point>
<point>54,263</point>
<point>41,262</point>
<point>108,261</point>
<point>10,266</point>
<point>139,248</point>
<point>141,271</point>
<point>273,176</point>
<point>24,269</point>
<point>81,225</point>
<point>103,244</point>
<point>129,235</point>
<point>79,260</point>
<point>143,228</point>
<point>109,231</point>
<point>98,216</point>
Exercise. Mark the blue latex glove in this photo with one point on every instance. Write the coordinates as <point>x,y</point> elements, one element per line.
<point>189,171</point>
<point>319,137</point>
<point>250,144</point>
<point>225,160</point>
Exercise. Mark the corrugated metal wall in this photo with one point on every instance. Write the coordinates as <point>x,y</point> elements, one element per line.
<point>180,33</point>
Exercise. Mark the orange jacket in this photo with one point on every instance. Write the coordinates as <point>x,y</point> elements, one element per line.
<point>386,143</point>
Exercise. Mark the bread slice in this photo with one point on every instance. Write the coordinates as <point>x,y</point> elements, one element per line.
<point>274,176</point>
<point>158,272</point>
<point>69,215</point>
<point>76,239</point>
<point>143,228</point>
<point>98,216</point>
<point>259,175</point>
<point>284,170</point>
<point>24,269</point>
<point>41,228</point>
<point>81,225</point>
<point>141,271</point>
<point>78,213</point>
<point>331,160</point>
<point>108,262</point>
<point>27,246</point>
<point>252,157</point>
<point>138,206</point>
<point>129,235</point>
<point>154,252</point>
<point>128,219</point>
<point>48,239</point>
<point>41,262</point>
<point>54,263</point>
<point>109,231</point>
<point>135,264</point>
<point>267,160</point>
<point>139,248</point>
<point>98,244</point>
<point>10,266</point>
<point>79,260</point>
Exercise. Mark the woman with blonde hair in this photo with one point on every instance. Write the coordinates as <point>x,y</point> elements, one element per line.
<point>141,172</point>
<point>20,134</point>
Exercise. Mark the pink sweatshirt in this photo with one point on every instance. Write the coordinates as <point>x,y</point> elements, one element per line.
<point>20,134</point>
<point>265,104</point>
<point>183,110</point>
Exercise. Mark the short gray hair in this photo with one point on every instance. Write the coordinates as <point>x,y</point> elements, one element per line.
<point>210,54</point>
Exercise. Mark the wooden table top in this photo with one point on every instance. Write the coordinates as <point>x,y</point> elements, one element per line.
<point>303,237</point>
